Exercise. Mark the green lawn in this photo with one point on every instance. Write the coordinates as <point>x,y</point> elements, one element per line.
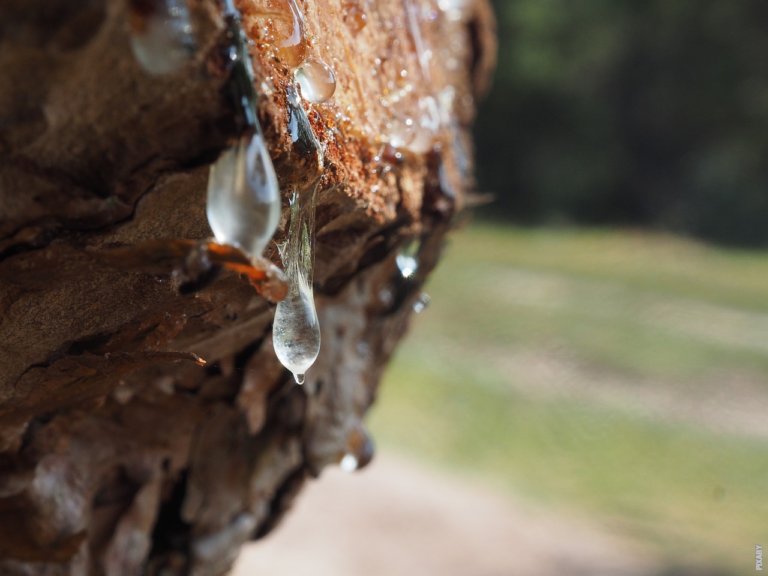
<point>656,325</point>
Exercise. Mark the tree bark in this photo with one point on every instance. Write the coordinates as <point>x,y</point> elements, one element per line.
<point>119,453</point>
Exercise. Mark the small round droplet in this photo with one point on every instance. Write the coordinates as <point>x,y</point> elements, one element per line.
<point>316,79</point>
<point>421,304</point>
<point>162,40</point>
<point>299,378</point>
<point>354,16</point>
<point>348,463</point>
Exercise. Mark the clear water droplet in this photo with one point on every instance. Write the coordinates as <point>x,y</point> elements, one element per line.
<point>316,80</point>
<point>421,304</point>
<point>244,196</point>
<point>162,40</point>
<point>407,259</point>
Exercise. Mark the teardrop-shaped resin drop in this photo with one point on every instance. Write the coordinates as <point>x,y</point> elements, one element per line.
<point>244,196</point>
<point>399,131</point>
<point>161,37</point>
<point>296,330</point>
<point>286,31</point>
<point>316,80</point>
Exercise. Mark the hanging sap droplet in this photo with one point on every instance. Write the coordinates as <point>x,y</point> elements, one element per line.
<point>316,80</point>
<point>421,304</point>
<point>407,259</point>
<point>161,35</point>
<point>359,450</point>
<point>427,126</point>
<point>296,329</point>
<point>243,196</point>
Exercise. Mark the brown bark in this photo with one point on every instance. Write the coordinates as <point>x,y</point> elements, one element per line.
<point>119,453</point>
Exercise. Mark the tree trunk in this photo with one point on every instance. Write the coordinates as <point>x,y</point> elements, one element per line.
<point>120,453</point>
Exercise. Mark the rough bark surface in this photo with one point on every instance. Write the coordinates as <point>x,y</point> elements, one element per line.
<point>119,453</point>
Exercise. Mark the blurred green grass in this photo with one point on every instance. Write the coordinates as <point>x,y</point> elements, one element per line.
<point>634,329</point>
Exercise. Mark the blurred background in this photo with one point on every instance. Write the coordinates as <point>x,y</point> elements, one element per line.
<point>588,391</point>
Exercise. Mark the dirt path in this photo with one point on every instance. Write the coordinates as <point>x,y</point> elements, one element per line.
<point>400,519</point>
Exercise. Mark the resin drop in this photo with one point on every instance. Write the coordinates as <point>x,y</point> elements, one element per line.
<point>354,16</point>
<point>349,463</point>
<point>359,450</point>
<point>291,41</point>
<point>296,329</point>
<point>243,196</point>
<point>408,259</point>
<point>399,131</point>
<point>316,80</point>
<point>161,35</point>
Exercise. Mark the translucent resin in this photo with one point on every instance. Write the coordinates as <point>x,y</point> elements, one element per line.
<point>427,126</point>
<point>162,39</point>
<point>244,197</point>
<point>296,329</point>
<point>316,80</point>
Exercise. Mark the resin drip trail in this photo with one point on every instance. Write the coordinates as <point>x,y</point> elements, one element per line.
<point>296,329</point>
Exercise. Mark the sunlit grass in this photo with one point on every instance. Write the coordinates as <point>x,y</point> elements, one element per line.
<point>638,307</point>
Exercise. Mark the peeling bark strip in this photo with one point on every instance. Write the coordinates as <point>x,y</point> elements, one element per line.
<point>119,453</point>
